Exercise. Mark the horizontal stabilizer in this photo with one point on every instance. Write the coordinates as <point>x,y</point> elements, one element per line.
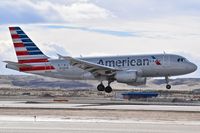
<point>17,64</point>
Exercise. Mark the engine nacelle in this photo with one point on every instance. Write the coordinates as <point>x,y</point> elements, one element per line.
<point>139,81</point>
<point>130,78</point>
<point>126,76</point>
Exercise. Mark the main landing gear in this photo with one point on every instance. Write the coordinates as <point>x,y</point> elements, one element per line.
<point>168,86</point>
<point>101,87</point>
<point>107,89</point>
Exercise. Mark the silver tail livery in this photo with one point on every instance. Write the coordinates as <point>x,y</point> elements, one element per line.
<point>131,69</point>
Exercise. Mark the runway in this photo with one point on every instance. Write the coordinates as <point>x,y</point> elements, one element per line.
<point>51,125</point>
<point>56,117</point>
<point>110,106</point>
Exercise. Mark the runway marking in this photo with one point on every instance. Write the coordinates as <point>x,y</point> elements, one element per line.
<point>11,104</point>
<point>7,118</point>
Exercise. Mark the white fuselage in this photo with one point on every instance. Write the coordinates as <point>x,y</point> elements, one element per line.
<point>157,65</point>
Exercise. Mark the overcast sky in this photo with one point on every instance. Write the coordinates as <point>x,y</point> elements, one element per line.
<point>103,27</point>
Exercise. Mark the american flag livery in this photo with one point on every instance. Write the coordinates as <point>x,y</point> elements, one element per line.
<point>28,53</point>
<point>156,60</point>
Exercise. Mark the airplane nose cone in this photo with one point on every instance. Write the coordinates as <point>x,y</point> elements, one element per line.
<point>193,67</point>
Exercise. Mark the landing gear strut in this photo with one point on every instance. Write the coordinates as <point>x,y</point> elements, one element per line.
<point>107,89</point>
<point>168,86</point>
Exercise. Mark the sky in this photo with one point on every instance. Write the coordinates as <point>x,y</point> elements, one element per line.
<point>103,27</point>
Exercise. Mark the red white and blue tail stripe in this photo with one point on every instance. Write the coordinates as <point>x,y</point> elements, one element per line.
<point>28,53</point>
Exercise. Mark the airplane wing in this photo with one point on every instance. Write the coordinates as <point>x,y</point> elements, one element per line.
<point>94,68</point>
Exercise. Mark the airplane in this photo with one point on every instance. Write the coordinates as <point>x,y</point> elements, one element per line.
<point>129,69</point>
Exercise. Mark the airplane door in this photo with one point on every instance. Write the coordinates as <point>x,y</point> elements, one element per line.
<point>166,60</point>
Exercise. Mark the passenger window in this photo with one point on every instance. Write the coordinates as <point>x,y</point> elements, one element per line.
<point>178,60</point>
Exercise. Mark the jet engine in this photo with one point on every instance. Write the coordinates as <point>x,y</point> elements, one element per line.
<point>130,78</point>
<point>139,81</point>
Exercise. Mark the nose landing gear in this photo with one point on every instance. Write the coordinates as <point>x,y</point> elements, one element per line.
<point>168,86</point>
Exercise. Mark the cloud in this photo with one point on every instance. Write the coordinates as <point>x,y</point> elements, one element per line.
<point>150,9</point>
<point>96,27</point>
<point>53,49</point>
<point>97,30</point>
<point>31,11</point>
<point>88,11</point>
<point>83,11</point>
<point>19,12</point>
<point>7,53</point>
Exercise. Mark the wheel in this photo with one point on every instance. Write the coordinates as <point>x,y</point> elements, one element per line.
<point>108,89</point>
<point>100,87</point>
<point>168,86</point>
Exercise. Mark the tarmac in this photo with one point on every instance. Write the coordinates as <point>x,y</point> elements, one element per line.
<point>92,126</point>
<point>45,115</point>
<point>110,106</point>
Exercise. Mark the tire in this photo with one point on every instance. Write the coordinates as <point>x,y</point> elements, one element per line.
<point>100,87</point>
<point>108,89</point>
<point>168,86</point>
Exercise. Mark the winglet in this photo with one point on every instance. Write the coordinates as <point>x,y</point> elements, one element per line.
<point>60,56</point>
<point>64,57</point>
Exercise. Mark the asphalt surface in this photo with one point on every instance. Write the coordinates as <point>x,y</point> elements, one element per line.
<point>110,106</point>
<point>23,116</point>
<point>97,127</point>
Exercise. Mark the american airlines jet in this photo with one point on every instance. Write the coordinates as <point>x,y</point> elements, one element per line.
<point>131,69</point>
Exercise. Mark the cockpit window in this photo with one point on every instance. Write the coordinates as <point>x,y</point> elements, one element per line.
<point>181,60</point>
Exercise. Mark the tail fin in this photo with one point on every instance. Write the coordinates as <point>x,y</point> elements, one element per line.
<point>30,57</point>
<point>26,50</point>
